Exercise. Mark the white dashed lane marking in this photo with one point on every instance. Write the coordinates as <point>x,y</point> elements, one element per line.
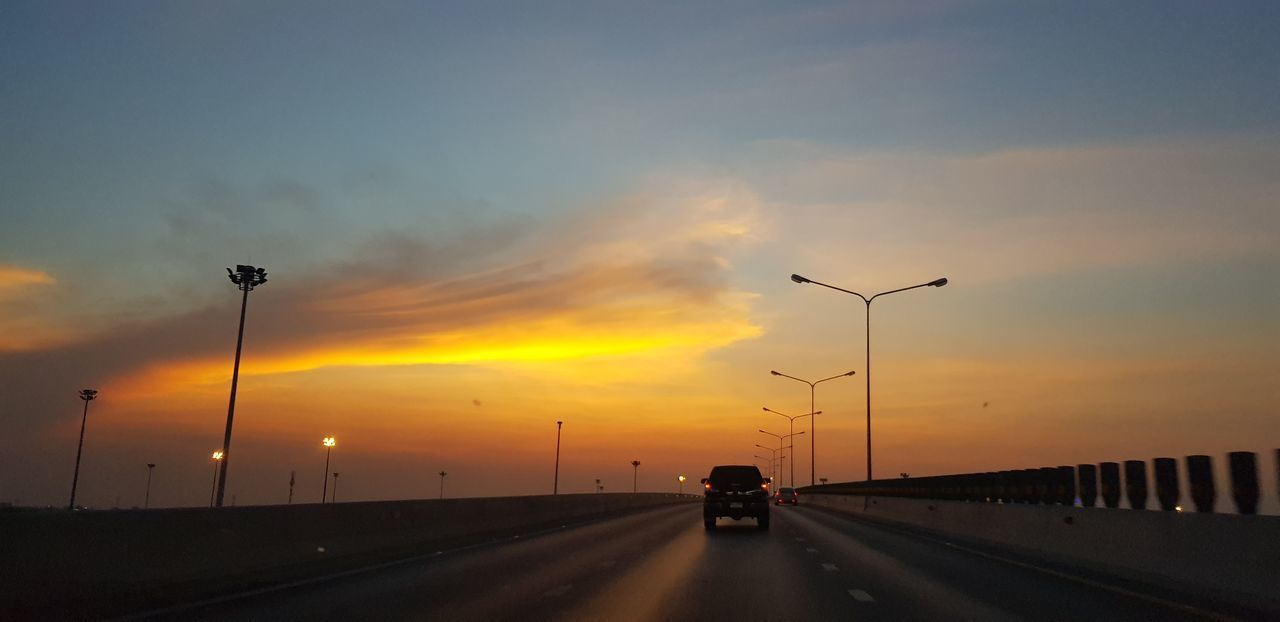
<point>829,567</point>
<point>812,550</point>
<point>798,539</point>
<point>861,596</point>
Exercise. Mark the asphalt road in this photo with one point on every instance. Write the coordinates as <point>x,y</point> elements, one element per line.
<point>662,565</point>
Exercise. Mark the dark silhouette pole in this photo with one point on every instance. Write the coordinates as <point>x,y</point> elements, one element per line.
<point>329,443</point>
<point>245,278</point>
<point>88,395</point>
<point>934,283</point>
<point>146,499</point>
<point>781,456</point>
<point>635,474</point>
<point>334,497</point>
<point>213,488</point>
<point>442,474</point>
<point>813,423</point>
<point>793,431</point>
<point>555,486</point>
<point>292,474</point>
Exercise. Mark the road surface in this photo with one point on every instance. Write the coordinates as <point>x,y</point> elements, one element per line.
<point>662,565</point>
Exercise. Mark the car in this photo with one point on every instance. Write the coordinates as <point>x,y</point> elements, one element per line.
<point>735,491</point>
<point>785,496</point>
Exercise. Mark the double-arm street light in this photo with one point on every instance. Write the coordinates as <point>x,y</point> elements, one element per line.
<point>245,278</point>
<point>88,395</point>
<point>769,459</point>
<point>773,458</point>
<point>813,423</point>
<point>781,438</point>
<point>793,430</point>
<point>934,283</point>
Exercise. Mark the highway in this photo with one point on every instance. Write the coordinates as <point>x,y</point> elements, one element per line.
<point>662,565</point>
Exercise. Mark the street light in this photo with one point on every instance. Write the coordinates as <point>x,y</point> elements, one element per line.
<point>780,438</point>
<point>774,457</point>
<point>329,443</point>
<point>146,499</point>
<point>246,278</point>
<point>555,486</point>
<point>934,283</point>
<point>793,429</point>
<point>681,478</point>
<point>88,395</point>
<point>442,474</point>
<point>334,497</point>
<point>813,423</point>
<point>216,457</point>
<point>635,473</point>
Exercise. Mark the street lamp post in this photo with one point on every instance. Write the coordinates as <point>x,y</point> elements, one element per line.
<point>292,476</point>
<point>146,499</point>
<point>555,486</point>
<point>813,423</point>
<point>88,395</point>
<point>934,283</point>
<point>782,437</point>
<point>635,474</point>
<point>246,278</point>
<point>334,497</point>
<point>216,457</point>
<point>442,474</point>
<point>775,457</point>
<point>793,429</point>
<point>768,469</point>
<point>329,443</point>
<point>681,478</point>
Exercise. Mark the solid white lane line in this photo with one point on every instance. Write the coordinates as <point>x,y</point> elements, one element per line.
<point>861,596</point>
<point>829,567</point>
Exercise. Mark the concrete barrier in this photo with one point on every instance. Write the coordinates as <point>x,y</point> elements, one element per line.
<point>1224,557</point>
<point>59,564</point>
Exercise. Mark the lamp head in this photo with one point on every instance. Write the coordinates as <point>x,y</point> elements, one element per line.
<point>851,373</point>
<point>774,372</point>
<point>330,441</point>
<point>799,279</point>
<point>938,283</point>
<point>217,455</point>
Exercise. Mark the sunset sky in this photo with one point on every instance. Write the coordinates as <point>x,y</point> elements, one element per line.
<point>481,218</point>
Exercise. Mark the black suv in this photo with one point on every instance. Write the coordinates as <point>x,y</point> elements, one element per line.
<point>736,491</point>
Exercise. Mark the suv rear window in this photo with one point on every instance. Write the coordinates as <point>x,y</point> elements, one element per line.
<point>744,476</point>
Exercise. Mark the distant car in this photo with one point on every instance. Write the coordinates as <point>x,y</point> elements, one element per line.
<point>787,495</point>
<point>738,492</point>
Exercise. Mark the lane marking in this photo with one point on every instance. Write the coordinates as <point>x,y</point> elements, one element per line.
<point>829,567</point>
<point>812,550</point>
<point>1151,598</point>
<point>861,596</point>
<point>559,590</point>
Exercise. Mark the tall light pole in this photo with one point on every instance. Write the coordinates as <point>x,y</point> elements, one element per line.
<point>767,469</point>
<point>292,476</point>
<point>334,497</point>
<point>934,283</point>
<point>246,278</point>
<point>88,395</point>
<point>329,443</point>
<point>146,499</point>
<point>782,437</point>
<point>442,474</point>
<point>793,430</point>
<point>774,458</point>
<point>813,423</point>
<point>635,474</point>
<point>555,486</point>
<point>216,457</point>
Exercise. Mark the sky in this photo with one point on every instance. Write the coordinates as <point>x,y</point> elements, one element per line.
<point>482,218</point>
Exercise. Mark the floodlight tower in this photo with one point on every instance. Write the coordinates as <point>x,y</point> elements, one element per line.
<point>88,395</point>
<point>246,278</point>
